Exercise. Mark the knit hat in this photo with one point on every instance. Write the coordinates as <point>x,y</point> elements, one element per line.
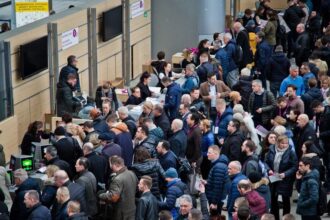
<point>60,131</point>
<point>254,177</point>
<point>279,48</point>
<point>171,173</point>
<point>106,136</point>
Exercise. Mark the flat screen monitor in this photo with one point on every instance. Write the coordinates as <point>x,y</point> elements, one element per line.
<point>34,57</point>
<point>112,23</point>
<point>27,164</point>
<point>39,150</point>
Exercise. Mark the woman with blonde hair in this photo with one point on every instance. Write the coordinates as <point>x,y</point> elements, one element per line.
<point>188,55</point>
<point>48,194</point>
<point>235,98</point>
<point>77,133</point>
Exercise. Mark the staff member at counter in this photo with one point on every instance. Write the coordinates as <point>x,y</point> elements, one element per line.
<point>143,85</point>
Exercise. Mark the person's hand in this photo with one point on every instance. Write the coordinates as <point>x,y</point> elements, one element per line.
<point>221,141</point>
<point>298,175</point>
<point>218,95</point>
<point>204,182</point>
<point>201,188</point>
<point>270,173</point>
<point>259,110</point>
<point>282,175</point>
<point>213,206</point>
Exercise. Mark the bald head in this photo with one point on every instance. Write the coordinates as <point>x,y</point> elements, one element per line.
<point>60,177</point>
<point>234,167</point>
<point>302,120</point>
<point>300,28</point>
<point>177,125</point>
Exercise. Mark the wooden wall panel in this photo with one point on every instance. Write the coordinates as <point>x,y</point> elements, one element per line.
<point>22,112</point>
<point>31,88</point>
<point>141,53</point>
<point>83,76</point>
<point>112,68</point>
<point>102,69</point>
<point>119,67</point>
<point>8,136</point>
<point>140,34</point>
<point>39,105</point>
<point>78,50</point>
<point>74,20</point>
<point>109,50</point>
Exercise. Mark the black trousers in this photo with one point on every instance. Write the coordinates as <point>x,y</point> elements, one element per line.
<point>275,210</point>
<point>310,217</point>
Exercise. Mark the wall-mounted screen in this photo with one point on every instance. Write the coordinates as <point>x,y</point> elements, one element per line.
<point>112,23</point>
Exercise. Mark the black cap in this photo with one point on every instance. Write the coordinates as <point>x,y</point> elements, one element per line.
<point>60,131</point>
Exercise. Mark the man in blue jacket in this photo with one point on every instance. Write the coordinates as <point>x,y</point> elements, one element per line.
<point>234,171</point>
<point>172,99</point>
<point>217,184</point>
<point>233,73</point>
<point>263,53</point>
<point>192,80</point>
<point>293,79</point>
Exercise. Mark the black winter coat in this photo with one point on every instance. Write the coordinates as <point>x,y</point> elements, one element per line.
<point>278,67</point>
<point>65,104</point>
<point>301,135</point>
<point>152,168</point>
<point>293,16</point>
<point>131,125</point>
<point>111,95</point>
<point>288,166</point>
<point>149,144</point>
<point>308,97</point>
<point>244,87</point>
<point>39,212</point>
<point>243,40</point>
<point>63,165</point>
<point>163,122</point>
<point>77,193</point>
<point>145,92</point>
<point>168,160</point>
<point>302,48</point>
<point>323,122</point>
<point>232,145</point>
<point>65,71</point>
<point>178,143</point>
<point>98,165</point>
<point>19,210</point>
<point>100,125</point>
<point>79,216</point>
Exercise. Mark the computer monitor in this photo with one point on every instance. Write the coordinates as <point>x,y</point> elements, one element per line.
<point>21,161</point>
<point>39,150</point>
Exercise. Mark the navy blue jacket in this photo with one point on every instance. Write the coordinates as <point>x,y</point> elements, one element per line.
<point>59,212</point>
<point>190,83</point>
<point>278,67</point>
<point>168,160</point>
<point>48,196</point>
<point>218,181</point>
<point>222,57</point>
<point>100,125</point>
<point>172,100</point>
<point>308,97</point>
<point>77,193</point>
<point>207,140</point>
<point>223,122</point>
<point>175,189</point>
<point>19,210</point>
<point>264,51</point>
<point>38,212</point>
<point>98,165</point>
<point>124,140</point>
<point>288,166</point>
<point>308,187</point>
<point>231,50</point>
<point>233,192</point>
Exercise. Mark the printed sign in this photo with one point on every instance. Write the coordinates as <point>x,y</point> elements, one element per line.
<point>70,38</point>
<point>137,9</point>
<point>27,11</point>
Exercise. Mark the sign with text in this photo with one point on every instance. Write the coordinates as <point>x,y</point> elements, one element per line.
<point>27,11</point>
<point>70,38</point>
<point>137,9</point>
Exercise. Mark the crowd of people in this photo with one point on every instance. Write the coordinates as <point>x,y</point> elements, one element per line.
<point>250,124</point>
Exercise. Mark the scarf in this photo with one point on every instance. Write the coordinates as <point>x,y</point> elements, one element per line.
<point>278,157</point>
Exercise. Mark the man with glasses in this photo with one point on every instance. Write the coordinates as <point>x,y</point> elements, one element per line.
<point>217,182</point>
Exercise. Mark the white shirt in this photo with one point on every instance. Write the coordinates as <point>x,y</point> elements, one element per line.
<point>213,93</point>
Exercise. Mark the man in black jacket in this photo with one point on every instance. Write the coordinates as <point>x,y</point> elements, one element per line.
<point>147,206</point>
<point>70,68</point>
<point>52,159</point>
<point>312,94</point>
<point>77,192</point>
<point>161,120</point>
<point>323,132</point>
<point>302,45</point>
<point>277,69</point>
<point>242,39</point>
<point>36,210</point>
<point>127,119</point>
<point>98,165</point>
<point>64,97</point>
<point>178,141</point>
<point>292,17</point>
<point>67,148</point>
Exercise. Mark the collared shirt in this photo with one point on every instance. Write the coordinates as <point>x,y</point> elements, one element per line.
<point>213,93</point>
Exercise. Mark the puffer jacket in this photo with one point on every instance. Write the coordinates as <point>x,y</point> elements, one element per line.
<point>231,50</point>
<point>233,192</point>
<point>156,134</point>
<point>149,144</point>
<point>262,187</point>
<point>293,16</point>
<point>175,189</point>
<point>48,195</point>
<point>223,121</point>
<point>152,168</point>
<point>64,99</point>
<point>207,140</point>
<point>288,166</point>
<point>308,187</point>
<point>218,182</point>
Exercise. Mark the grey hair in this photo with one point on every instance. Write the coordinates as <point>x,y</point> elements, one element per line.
<point>88,146</point>
<point>63,190</point>
<point>123,110</point>
<point>245,72</point>
<point>280,130</point>
<point>228,36</point>
<point>258,81</point>
<point>186,198</point>
<point>178,123</point>
<point>294,67</point>
<point>21,174</point>
<point>52,151</point>
<point>191,66</point>
<point>237,164</point>
<point>33,194</point>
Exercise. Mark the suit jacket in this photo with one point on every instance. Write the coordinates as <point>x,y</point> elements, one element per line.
<point>220,87</point>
